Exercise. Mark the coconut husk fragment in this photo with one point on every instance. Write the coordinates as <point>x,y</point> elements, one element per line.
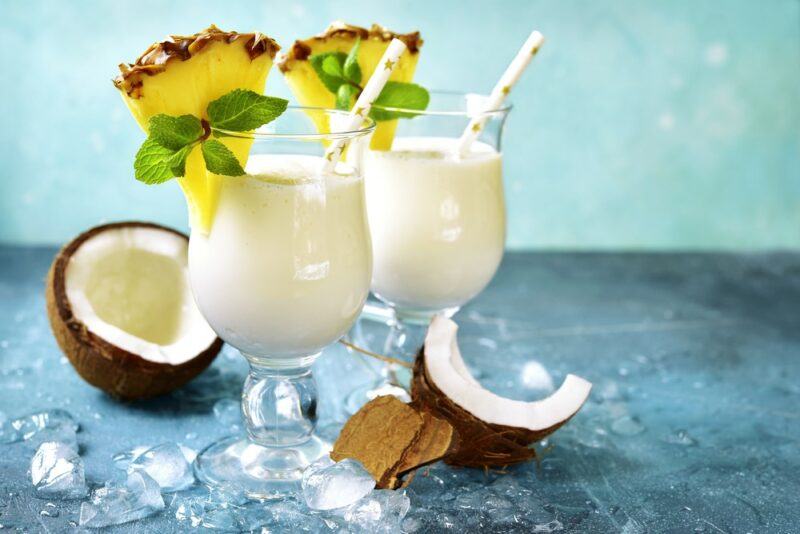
<point>392,439</point>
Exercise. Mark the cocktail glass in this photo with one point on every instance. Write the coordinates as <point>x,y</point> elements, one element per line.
<point>437,222</point>
<point>283,273</point>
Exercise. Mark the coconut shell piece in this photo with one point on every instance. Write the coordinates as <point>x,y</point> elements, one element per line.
<point>392,439</point>
<point>119,373</point>
<point>436,438</point>
<point>480,444</point>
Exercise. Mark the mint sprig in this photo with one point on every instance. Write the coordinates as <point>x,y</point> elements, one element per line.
<point>331,81</point>
<point>351,69</point>
<point>171,139</point>
<point>345,96</point>
<point>242,110</point>
<point>219,159</point>
<point>175,132</point>
<point>400,95</point>
<point>341,74</point>
<point>177,162</point>
<point>153,163</point>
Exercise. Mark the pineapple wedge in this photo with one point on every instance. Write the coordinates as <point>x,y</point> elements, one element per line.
<point>181,75</point>
<point>340,37</point>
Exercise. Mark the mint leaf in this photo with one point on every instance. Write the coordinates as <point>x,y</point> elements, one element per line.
<point>407,96</point>
<point>174,132</point>
<point>219,159</point>
<point>341,75</point>
<point>331,83</point>
<point>242,110</point>
<point>177,163</point>
<point>332,67</point>
<point>351,69</point>
<point>345,95</point>
<point>152,163</point>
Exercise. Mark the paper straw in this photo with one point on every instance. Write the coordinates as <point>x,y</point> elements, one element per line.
<point>364,102</point>
<point>501,90</point>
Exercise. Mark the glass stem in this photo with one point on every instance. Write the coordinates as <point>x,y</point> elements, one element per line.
<point>279,402</point>
<point>404,342</point>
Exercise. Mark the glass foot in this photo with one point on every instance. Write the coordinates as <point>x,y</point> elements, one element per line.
<point>363,394</point>
<point>261,472</point>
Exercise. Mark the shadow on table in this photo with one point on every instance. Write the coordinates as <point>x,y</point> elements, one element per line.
<point>196,397</point>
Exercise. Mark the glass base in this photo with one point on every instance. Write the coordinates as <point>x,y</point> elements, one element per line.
<point>365,393</point>
<point>260,472</point>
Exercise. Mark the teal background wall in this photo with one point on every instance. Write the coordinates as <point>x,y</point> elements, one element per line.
<point>641,124</point>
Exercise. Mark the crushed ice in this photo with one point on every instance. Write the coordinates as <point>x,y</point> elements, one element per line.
<point>115,503</point>
<point>327,485</point>
<point>627,426</point>
<point>536,376</point>
<point>28,426</point>
<point>57,471</point>
<point>167,465</point>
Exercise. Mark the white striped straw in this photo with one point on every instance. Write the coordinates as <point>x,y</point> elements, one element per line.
<point>364,102</point>
<point>501,90</point>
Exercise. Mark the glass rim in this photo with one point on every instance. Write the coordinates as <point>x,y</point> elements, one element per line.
<point>367,128</point>
<point>504,109</point>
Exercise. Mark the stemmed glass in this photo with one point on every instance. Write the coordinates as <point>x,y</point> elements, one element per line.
<point>437,221</point>
<point>283,272</point>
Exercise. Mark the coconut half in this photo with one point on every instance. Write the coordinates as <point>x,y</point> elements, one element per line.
<point>121,309</point>
<point>493,430</point>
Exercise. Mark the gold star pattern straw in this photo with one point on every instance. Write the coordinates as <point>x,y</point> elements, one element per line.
<point>501,90</point>
<point>362,106</point>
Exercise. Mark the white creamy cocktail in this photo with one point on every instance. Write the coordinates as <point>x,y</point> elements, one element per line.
<point>436,214</point>
<point>437,219</point>
<point>283,271</point>
<point>437,222</point>
<point>286,267</point>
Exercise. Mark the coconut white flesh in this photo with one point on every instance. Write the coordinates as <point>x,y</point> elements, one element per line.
<point>130,286</point>
<point>446,369</point>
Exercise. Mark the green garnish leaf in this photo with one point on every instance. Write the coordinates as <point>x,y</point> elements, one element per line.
<point>406,96</point>
<point>351,69</point>
<point>341,75</point>
<point>174,132</point>
<point>345,96</point>
<point>177,163</point>
<point>153,163</point>
<point>332,67</point>
<point>330,82</point>
<point>219,159</point>
<point>242,110</point>
<point>171,139</point>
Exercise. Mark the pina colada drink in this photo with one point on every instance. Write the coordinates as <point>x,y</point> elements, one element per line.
<point>286,266</point>
<point>437,222</point>
<point>279,257</point>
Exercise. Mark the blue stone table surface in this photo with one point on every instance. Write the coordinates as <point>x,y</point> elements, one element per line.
<point>693,424</point>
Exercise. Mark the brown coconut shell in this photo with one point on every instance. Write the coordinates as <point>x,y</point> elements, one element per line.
<point>392,440</point>
<point>480,444</point>
<point>119,373</point>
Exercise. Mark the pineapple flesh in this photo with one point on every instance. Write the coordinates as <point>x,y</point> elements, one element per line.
<point>181,76</point>
<point>340,37</point>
